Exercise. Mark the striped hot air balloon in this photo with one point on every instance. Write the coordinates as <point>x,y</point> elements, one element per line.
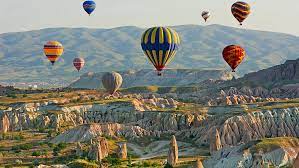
<point>112,82</point>
<point>78,63</point>
<point>205,15</point>
<point>233,55</point>
<point>89,6</point>
<point>240,10</point>
<point>160,45</point>
<point>53,50</point>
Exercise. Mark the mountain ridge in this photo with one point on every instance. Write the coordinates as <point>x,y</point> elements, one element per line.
<point>119,49</point>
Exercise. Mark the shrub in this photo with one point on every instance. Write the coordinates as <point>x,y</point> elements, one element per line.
<point>36,153</point>
<point>113,160</point>
<point>24,95</point>
<point>18,137</point>
<point>82,164</point>
<point>35,162</point>
<point>26,146</point>
<point>61,145</point>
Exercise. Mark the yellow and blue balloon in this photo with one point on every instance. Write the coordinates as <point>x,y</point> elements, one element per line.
<point>160,45</point>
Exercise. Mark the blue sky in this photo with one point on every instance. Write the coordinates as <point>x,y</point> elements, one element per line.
<point>23,15</point>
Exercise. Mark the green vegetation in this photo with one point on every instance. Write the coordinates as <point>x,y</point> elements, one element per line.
<point>80,163</point>
<point>270,144</point>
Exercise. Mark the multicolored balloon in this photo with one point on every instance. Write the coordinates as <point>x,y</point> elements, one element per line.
<point>240,10</point>
<point>160,45</point>
<point>112,82</point>
<point>53,50</point>
<point>233,55</point>
<point>89,6</point>
<point>78,63</point>
<point>205,15</point>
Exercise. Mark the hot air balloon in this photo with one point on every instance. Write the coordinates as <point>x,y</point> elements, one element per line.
<point>205,15</point>
<point>233,55</point>
<point>112,82</point>
<point>53,50</point>
<point>78,63</point>
<point>240,10</point>
<point>160,45</point>
<point>89,6</point>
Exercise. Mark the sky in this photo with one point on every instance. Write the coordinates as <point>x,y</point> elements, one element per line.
<point>25,15</point>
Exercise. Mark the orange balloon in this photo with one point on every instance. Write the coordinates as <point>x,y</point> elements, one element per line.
<point>233,55</point>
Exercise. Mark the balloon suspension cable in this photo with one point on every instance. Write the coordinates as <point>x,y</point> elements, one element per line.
<point>205,20</point>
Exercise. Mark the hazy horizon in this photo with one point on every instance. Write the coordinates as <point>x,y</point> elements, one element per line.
<point>35,14</point>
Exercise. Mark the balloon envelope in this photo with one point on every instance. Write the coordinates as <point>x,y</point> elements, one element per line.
<point>240,11</point>
<point>78,63</point>
<point>160,45</point>
<point>53,50</point>
<point>89,6</point>
<point>233,55</point>
<point>205,15</point>
<point>112,82</point>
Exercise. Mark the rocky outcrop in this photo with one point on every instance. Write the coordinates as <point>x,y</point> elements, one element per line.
<point>258,125</point>
<point>198,164</point>
<point>99,150</point>
<point>4,123</point>
<point>296,162</point>
<point>124,118</point>
<point>173,153</point>
<point>241,156</point>
<point>215,142</point>
<point>86,132</point>
<point>287,72</point>
<point>122,152</point>
<point>172,77</point>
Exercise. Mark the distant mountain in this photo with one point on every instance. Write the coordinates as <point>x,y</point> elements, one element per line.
<point>119,49</point>
<point>171,77</point>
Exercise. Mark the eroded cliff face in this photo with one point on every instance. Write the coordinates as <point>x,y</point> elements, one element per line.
<point>241,156</point>
<point>126,118</point>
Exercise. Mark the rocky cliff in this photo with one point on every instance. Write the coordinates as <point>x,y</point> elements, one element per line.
<point>252,154</point>
<point>171,77</point>
<point>280,74</point>
<point>235,125</point>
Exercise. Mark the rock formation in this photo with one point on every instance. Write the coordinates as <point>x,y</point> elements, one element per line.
<point>173,153</point>
<point>4,123</point>
<point>296,161</point>
<point>122,151</point>
<point>99,150</point>
<point>124,119</point>
<point>215,142</point>
<point>86,132</point>
<point>240,155</point>
<point>198,164</point>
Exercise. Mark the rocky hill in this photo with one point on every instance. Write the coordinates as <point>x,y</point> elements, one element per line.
<point>119,49</point>
<point>171,77</point>
<point>287,73</point>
